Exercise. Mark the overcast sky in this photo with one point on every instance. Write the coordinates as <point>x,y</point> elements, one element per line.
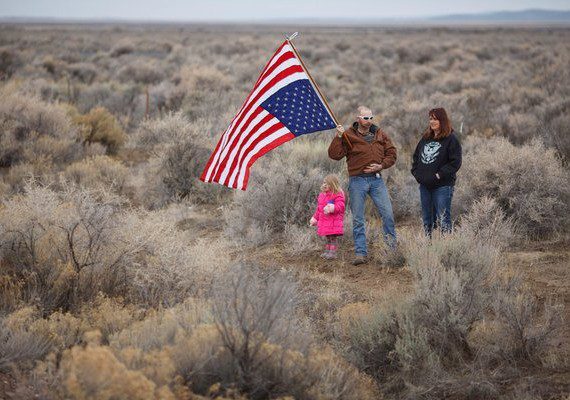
<point>228,10</point>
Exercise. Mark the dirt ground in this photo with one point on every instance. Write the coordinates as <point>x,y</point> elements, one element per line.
<point>545,265</point>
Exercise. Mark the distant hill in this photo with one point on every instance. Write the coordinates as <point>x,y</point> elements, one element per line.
<point>531,16</point>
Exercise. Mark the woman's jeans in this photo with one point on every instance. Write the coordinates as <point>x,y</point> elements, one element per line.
<point>358,188</point>
<point>436,208</point>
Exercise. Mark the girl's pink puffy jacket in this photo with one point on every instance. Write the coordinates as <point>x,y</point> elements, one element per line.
<point>330,224</point>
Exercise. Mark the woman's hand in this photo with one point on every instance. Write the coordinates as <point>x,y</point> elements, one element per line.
<point>339,130</point>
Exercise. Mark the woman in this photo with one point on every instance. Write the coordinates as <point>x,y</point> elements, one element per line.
<point>435,163</point>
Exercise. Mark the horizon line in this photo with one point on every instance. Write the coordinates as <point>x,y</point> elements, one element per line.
<point>394,19</point>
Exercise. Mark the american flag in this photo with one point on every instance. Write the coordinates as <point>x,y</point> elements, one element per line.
<point>282,105</point>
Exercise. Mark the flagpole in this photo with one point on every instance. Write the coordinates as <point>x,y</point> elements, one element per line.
<point>289,40</point>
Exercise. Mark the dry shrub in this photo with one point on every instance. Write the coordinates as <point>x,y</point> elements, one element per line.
<point>417,356</point>
<point>274,200</point>
<point>98,171</point>
<point>392,258</point>
<point>404,192</point>
<point>100,126</point>
<point>371,336</point>
<point>201,359</point>
<point>168,130</point>
<point>526,330</point>
<point>39,169</point>
<point>522,126</point>
<point>122,99</point>
<point>528,182</point>
<point>253,233</point>
<point>422,73</point>
<point>4,189</point>
<point>311,152</point>
<point>69,245</point>
<point>10,61</point>
<point>52,150</point>
<point>169,266</point>
<point>452,291</point>
<point>84,72</point>
<point>54,333</point>
<point>106,315</point>
<point>386,342</point>
<point>30,128</point>
<point>254,317</point>
<point>161,328</point>
<point>58,242</point>
<point>64,329</point>
<point>151,353</point>
<point>203,78</point>
<point>18,343</point>
<point>10,293</point>
<point>337,379</point>
<point>155,365</point>
<point>142,71</point>
<point>556,133</point>
<point>124,46</point>
<point>53,65</point>
<point>299,240</point>
<point>95,372</point>
<point>182,152</point>
<point>109,316</point>
<point>429,331</point>
<point>249,310</point>
<point>488,223</point>
<point>182,166</point>
<point>455,73</point>
<point>258,346</point>
<point>165,96</point>
<point>436,336</point>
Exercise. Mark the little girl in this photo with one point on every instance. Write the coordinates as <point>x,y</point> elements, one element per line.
<point>329,216</point>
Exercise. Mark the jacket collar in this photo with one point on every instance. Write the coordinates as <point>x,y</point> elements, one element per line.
<point>373,128</point>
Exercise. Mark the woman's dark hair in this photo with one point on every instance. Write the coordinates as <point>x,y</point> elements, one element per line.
<point>444,124</point>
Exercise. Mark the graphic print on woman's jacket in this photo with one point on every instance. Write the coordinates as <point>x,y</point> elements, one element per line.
<point>437,156</point>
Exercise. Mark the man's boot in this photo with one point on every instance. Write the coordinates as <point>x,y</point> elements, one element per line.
<point>360,260</point>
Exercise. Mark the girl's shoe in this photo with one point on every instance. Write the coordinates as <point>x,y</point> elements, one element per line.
<point>332,255</point>
<point>325,255</point>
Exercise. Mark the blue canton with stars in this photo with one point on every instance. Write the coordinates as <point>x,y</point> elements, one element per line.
<point>299,108</point>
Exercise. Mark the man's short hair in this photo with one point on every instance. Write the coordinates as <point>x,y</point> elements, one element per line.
<point>363,110</point>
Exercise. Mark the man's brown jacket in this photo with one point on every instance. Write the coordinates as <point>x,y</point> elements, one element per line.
<point>362,153</point>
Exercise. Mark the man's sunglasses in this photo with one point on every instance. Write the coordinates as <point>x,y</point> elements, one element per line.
<point>367,118</point>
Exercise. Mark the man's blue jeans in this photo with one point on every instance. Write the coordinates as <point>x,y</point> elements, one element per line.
<point>358,188</point>
<point>436,208</point>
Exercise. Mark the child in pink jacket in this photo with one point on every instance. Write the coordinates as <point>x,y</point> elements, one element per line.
<point>329,216</point>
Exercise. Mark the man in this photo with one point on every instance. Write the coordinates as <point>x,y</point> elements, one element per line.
<point>368,150</point>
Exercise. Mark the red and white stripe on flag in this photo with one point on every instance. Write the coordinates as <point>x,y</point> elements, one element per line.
<point>282,105</point>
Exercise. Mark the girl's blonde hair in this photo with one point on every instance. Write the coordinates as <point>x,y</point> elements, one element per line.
<point>333,183</point>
